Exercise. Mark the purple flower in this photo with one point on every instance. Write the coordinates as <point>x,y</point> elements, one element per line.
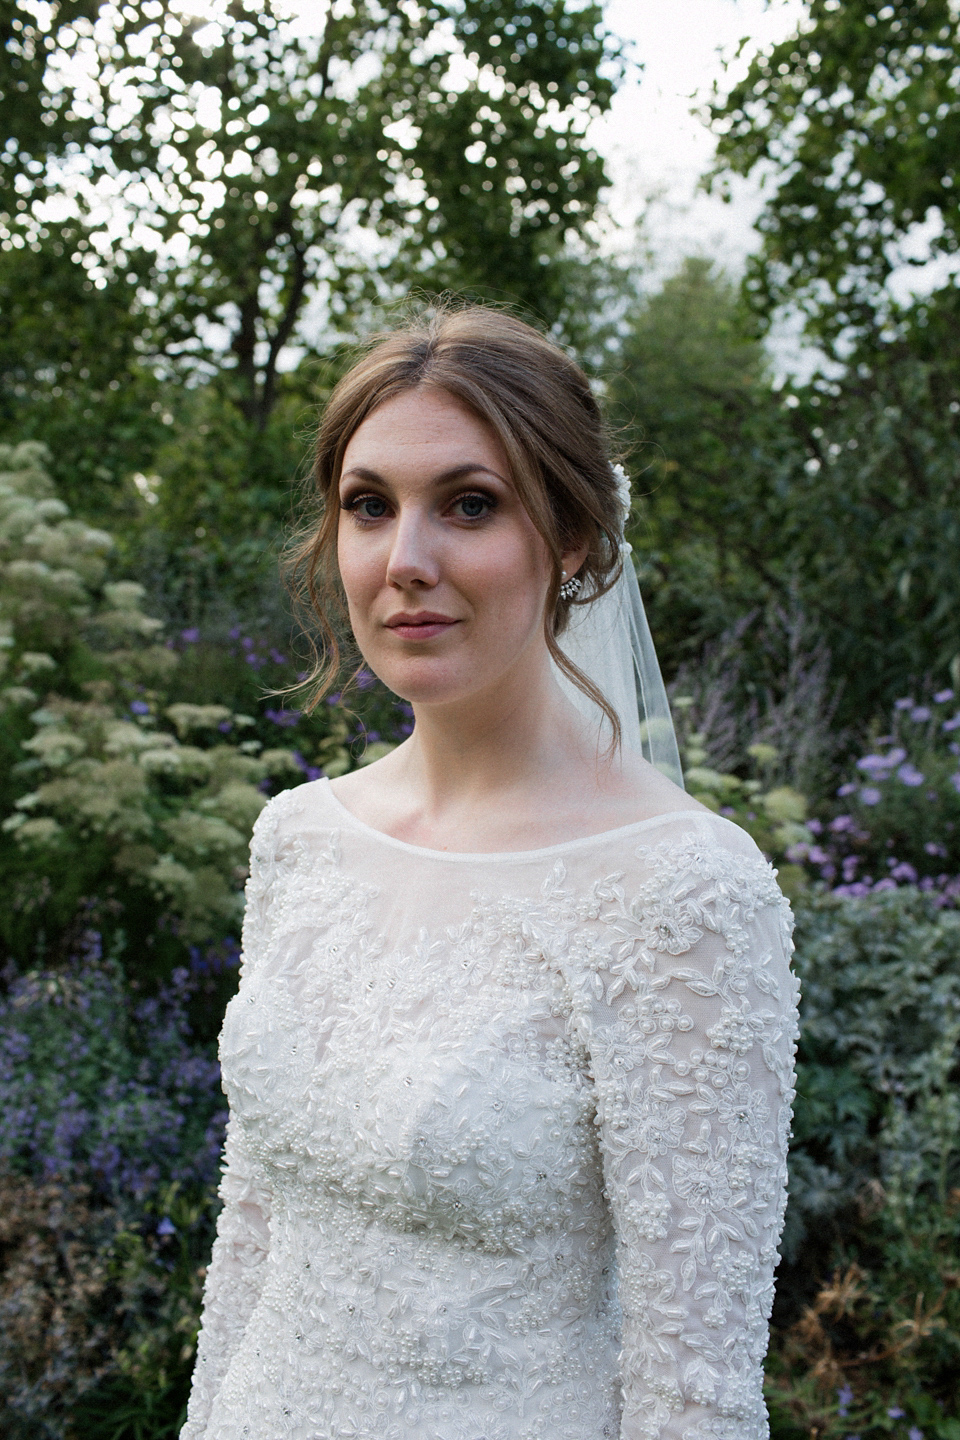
<point>276,657</point>
<point>846,790</point>
<point>234,632</point>
<point>844,1399</point>
<point>796,854</point>
<point>870,796</point>
<point>255,661</point>
<point>139,707</point>
<point>903,871</point>
<point>953,724</point>
<point>364,679</point>
<point>909,775</point>
<point>887,884</point>
<point>283,718</point>
<point>247,643</point>
<point>905,704</point>
<point>850,866</point>
<point>815,827</point>
<point>842,823</point>
<point>920,714</point>
<point>873,764</point>
<point>166,1226</point>
<point>225,727</point>
<point>914,1433</point>
<point>896,1413</point>
<point>312,772</point>
<point>955,782</point>
<point>933,847</point>
<point>942,696</point>
<point>191,636</point>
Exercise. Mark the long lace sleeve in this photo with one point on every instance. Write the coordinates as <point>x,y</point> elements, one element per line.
<point>236,1270</point>
<point>687,1007</point>
<point>234,1279</point>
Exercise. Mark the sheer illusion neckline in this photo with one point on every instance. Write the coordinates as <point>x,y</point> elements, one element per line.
<point>560,848</point>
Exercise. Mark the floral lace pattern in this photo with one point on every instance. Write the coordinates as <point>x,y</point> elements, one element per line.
<point>507,1149</point>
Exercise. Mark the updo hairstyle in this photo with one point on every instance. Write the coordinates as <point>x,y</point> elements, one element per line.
<point>538,403</point>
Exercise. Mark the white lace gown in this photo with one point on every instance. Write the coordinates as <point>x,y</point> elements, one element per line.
<point>507,1139</point>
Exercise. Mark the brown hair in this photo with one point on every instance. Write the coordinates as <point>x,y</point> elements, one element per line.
<point>539,404</point>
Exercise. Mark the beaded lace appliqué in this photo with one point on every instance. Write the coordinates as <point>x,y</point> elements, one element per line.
<point>518,1175</point>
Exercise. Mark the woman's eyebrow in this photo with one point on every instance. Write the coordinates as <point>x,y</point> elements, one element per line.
<point>446,477</point>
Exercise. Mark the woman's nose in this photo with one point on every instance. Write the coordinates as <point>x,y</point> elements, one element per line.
<point>412,559</point>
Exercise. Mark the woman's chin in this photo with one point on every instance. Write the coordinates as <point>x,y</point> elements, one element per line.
<point>433,683</point>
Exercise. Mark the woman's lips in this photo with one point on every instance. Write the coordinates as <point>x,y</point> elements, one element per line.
<point>420,627</point>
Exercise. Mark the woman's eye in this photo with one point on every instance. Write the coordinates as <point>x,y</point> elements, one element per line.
<point>472,507</point>
<point>370,507</point>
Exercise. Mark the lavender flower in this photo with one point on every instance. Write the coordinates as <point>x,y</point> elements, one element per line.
<point>283,718</point>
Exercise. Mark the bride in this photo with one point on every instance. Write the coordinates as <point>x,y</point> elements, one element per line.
<point>510,1064</point>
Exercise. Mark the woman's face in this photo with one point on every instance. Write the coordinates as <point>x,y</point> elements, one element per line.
<point>445,574</point>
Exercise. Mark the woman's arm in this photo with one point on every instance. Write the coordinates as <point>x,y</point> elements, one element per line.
<point>237,1266</point>
<point>234,1279</point>
<point>688,1010</point>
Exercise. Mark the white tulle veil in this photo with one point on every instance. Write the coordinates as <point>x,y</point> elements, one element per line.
<point>610,641</point>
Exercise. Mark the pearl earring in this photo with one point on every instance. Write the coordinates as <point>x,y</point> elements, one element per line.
<point>570,589</point>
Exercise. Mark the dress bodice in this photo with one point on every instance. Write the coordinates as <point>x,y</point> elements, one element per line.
<point>507,1138</point>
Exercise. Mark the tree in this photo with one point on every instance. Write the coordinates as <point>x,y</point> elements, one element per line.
<point>709,443</point>
<point>836,501</point>
<point>855,122</point>
<point>254,171</point>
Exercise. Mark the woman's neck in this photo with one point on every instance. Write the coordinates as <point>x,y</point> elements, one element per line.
<point>514,743</point>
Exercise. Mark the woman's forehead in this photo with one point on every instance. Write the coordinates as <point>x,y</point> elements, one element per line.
<point>425,424</point>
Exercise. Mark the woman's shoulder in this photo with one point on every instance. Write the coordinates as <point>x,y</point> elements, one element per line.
<point>685,849</point>
<point>292,812</point>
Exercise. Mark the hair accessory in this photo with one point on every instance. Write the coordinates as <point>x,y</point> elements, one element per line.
<point>570,589</point>
<point>610,641</point>
<point>623,491</point>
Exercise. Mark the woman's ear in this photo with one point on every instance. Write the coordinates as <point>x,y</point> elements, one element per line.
<point>571,560</point>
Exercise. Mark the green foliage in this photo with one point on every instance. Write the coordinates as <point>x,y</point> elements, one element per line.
<point>874,1173</point>
<point>857,118</point>
<point>693,400</point>
<point>73,377</point>
<point>835,502</point>
<point>129,796</point>
<point>251,151</point>
<point>898,819</point>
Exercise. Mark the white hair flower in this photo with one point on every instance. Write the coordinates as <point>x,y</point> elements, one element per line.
<point>623,488</point>
<point>623,495</point>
